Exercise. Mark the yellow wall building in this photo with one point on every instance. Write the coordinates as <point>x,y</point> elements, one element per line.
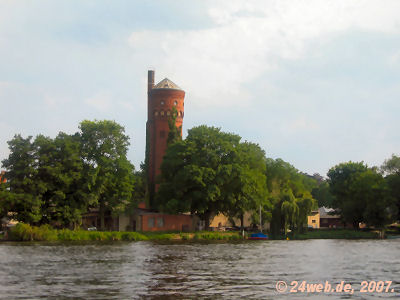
<point>313,219</point>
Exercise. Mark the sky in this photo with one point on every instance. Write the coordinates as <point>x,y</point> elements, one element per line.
<point>313,82</point>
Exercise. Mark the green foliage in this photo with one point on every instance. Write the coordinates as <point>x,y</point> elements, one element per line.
<point>336,234</point>
<point>361,195</point>
<point>26,232</point>
<point>323,195</point>
<point>289,209</point>
<point>340,179</point>
<point>290,194</point>
<point>217,236</point>
<point>22,192</point>
<point>393,182</point>
<point>104,148</point>
<point>212,172</point>
<point>392,165</point>
<point>174,133</point>
<point>54,181</point>
<point>392,168</point>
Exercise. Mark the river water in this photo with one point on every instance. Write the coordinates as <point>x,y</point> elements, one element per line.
<point>147,270</point>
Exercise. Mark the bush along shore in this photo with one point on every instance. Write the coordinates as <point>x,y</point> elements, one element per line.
<point>330,234</point>
<point>26,232</point>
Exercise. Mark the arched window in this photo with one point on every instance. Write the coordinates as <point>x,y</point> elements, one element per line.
<point>162,113</point>
<point>175,103</point>
<point>156,113</point>
<point>162,102</point>
<point>168,113</point>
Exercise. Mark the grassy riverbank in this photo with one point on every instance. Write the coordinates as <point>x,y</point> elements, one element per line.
<point>333,234</point>
<point>25,232</point>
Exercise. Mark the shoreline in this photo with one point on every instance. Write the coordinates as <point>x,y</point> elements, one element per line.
<point>27,233</point>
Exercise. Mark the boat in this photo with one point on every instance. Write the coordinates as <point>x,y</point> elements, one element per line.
<point>260,235</point>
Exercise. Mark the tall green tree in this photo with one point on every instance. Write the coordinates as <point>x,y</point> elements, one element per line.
<point>371,190</point>
<point>341,179</point>
<point>289,209</point>
<point>104,147</point>
<point>21,192</point>
<point>213,172</point>
<point>391,167</point>
<point>362,195</point>
<point>323,195</point>
<point>290,194</point>
<point>194,172</point>
<point>65,188</point>
<point>245,186</point>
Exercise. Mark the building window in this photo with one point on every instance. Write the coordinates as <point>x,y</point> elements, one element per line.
<point>162,134</point>
<point>156,113</point>
<point>162,102</point>
<point>313,221</point>
<point>150,222</point>
<point>162,113</point>
<point>175,103</point>
<point>168,113</point>
<point>160,222</point>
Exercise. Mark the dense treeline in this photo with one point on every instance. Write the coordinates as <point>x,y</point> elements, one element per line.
<point>55,181</point>
<point>213,172</point>
<point>366,195</point>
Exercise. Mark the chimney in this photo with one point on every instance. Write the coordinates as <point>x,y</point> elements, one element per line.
<point>150,80</point>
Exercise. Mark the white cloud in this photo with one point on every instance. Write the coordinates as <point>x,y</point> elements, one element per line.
<point>247,40</point>
<point>299,124</point>
<point>102,101</point>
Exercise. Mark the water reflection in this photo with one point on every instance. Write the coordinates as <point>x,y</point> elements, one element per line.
<point>193,270</point>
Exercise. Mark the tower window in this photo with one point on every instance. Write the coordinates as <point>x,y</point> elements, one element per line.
<point>168,113</point>
<point>162,102</point>
<point>156,113</point>
<point>162,113</point>
<point>175,103</point>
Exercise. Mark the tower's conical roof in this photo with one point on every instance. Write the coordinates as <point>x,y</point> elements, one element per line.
<point>166,84</point>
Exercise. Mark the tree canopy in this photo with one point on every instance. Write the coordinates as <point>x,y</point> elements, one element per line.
<point>56,180</point>
<point>211,172</point>
<point>361,194</point>
<point>290,194</point>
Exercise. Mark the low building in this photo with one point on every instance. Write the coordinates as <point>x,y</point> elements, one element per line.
<point>141,220</point>
<point>221,222</point>
<point>146,220</point>
<point>314,219</point>
<point>328,219</point>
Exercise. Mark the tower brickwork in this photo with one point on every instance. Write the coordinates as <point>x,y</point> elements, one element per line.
<point>161,101</point>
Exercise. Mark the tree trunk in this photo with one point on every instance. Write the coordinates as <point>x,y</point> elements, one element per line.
<point>355,225</point>
<point>102,208</point>
<point>207,220</point>
<point>241,222</point>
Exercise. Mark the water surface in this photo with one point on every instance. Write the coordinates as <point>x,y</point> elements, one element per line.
<point>147,270</point>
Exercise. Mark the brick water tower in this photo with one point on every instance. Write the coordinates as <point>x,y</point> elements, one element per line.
<point>162,98</point>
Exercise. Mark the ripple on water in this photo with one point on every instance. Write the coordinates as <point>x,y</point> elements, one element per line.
<point>181,271</point>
